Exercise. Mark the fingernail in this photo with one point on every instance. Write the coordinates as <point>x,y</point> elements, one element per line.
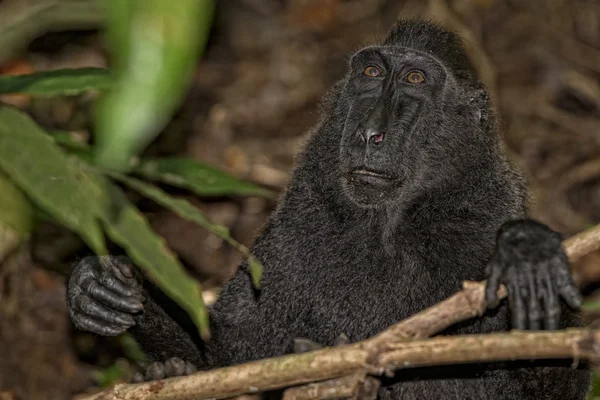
<point>190,368</point>
<point>137,305</point>
<point>126,270</point>
<point>128,321</point>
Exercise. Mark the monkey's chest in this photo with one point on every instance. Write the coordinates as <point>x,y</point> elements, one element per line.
<point>364,304</point>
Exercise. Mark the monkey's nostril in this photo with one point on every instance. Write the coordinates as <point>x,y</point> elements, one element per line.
<point>370,136</point>
<point>378,138</point>
<point>362,136</point>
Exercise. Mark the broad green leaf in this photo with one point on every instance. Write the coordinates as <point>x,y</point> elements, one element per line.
<point>16,216</point>
<point>198,177</point>
<point>130,229</point>
<point>51,180</point>
<point>15,208</point>
<point>155,45</point>
<point>65,82</point>
<point>188,211</point>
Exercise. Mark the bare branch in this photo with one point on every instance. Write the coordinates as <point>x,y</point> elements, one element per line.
<point>274,373</point>
<point>515,345</point>
<point>355,386</point>
<point>388,350</point>
<point>583,243</point>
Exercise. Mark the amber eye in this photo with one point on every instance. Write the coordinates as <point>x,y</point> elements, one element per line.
<point>372,71</point>
<point>415,77</point>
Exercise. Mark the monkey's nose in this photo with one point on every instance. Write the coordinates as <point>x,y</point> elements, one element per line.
<point>372,136</point>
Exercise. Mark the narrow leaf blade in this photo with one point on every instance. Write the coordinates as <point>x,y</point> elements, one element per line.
<point>200,178</point>
<point>188,211</point>
<point>60,82</point>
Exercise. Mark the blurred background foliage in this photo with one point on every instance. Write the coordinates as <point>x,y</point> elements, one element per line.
<point>196,126</point>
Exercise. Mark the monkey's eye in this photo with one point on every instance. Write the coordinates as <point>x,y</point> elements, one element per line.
<point>372,71</point>
<point>415,77</point>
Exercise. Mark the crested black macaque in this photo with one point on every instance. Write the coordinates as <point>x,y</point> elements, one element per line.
<point>402,193</point>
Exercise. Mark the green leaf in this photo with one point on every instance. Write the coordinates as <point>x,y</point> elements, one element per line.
<point>200,178</point>
<point>594,393</point>
<point>67,140</point>
<point>591,306</point>
<point>16,211</point>
<point>51,180</point>
<point>155,45</point>
<point>16,216</point>
<point>188,211</point>
<point>131,348</point>
<point>130,229</point>
<point>66,82</point>
<point>110,375</point>
<point>256,271</point>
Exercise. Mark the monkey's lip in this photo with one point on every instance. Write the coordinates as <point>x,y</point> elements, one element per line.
<point>369,173</point>
<point>370,177</point>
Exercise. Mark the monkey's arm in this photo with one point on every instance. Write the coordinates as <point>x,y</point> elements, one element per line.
<point>108,296</point>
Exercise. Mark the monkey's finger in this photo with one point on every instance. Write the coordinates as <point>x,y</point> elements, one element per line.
<point>113,283</point>
<point>551,303</point>
<point>112,300</point>
<point>515,300</point>
<point>533,302</point>
<point>124,265</point>
<point>85,271</point>
<point>517,309</point>
<point>566,286</point>
<point>341,340</point>
<point>302,345</point>
<point>190,368</point>
<point>89,324</point>
<point>123,269</point>
<point>155,371</point>
<point>137,378</point>
<point>174,367</point>
<point>99,312</point>
<point>495,269</point>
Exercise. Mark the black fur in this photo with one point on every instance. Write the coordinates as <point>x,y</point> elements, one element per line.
<point>353,253</point>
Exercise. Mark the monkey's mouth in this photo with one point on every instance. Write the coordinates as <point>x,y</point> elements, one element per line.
<point>369,188</point>
<point>369,176</point>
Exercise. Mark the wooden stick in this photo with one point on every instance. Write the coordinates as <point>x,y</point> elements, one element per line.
<point>388,350</point>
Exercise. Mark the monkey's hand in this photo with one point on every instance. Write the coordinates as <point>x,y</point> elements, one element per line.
<point>158,370</point>
<point>303,345</point>
<point>103,293</point>
<point>529,260</point>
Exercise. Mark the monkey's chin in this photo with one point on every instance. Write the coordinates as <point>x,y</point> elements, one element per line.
<point>369,190</point>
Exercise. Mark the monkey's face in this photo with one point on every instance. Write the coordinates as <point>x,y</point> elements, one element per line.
<point>393,104</point>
